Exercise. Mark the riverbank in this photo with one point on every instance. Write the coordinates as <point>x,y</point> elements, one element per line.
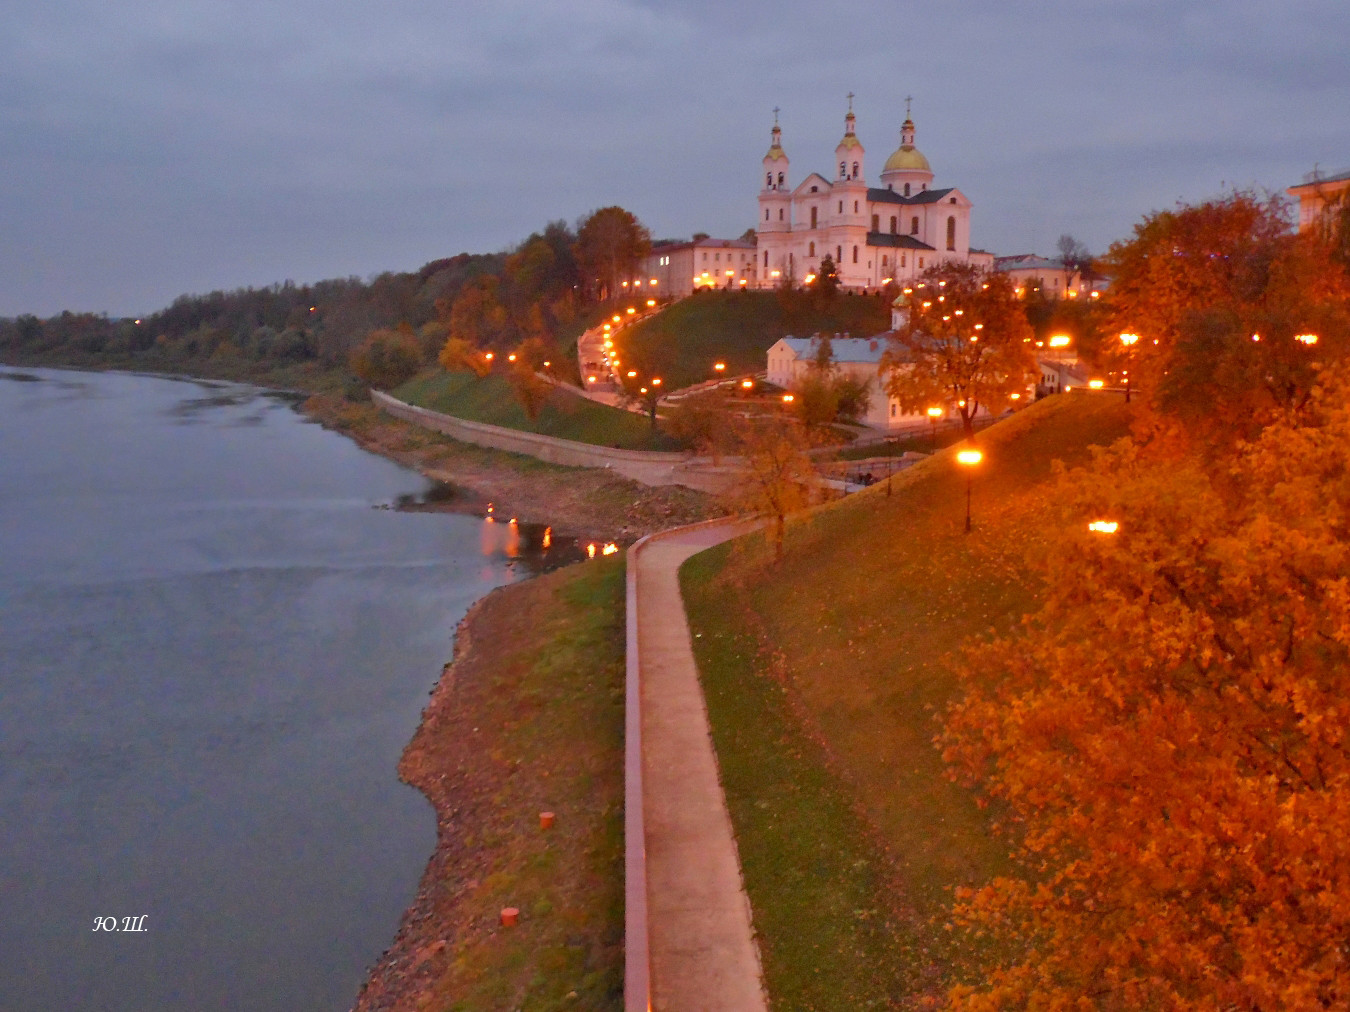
<point>586,502</point>
<point>528,718</point>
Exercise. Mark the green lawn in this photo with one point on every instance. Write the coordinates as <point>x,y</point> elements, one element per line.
<point>824,674</point>
<point>682,342</point>
<point>490,399</point>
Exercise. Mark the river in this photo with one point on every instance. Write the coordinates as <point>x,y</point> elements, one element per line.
<point>213,647</point>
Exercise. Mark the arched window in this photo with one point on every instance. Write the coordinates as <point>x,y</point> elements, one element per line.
<point>766,260</point>
<point>855,170</point>
<point>906,189</point>
<point>768,180</point>
<point>885,261</point>
<point>876,222</point>
<point>843,170</point>
<point>892,224</point>
<point>838,255</point>
<point>903,260</point>
<point>855,254</point>
<point>855,207</point>
<point>841,207</point>
<point>914,225</point>
<point>780,179</point>
<point>766,214</point>
<point>780,214</point>
<point>811,251</point>
<point>813,217</point>
<point>951,233</point>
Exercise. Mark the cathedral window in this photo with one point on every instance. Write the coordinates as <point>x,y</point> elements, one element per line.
<point>855,170</point>
<point>876,222</point>
<point>885,261</point>
<point>766,214</point>
<point>906,189</point>
<point>766,260</point>
<point>892,224</point>
<point>812,250</point>
<point>855,207</point>
<point>951,233</point>
<point>839,254</point>
<point>813,217</point>
<point>780,214</point>
<point>843,171</point>
<point>768,181</point>
<point>717,256</point>
<point>903,260</point>
<point>921,262</point>
<point>780,179</point>
<point>914,225</point>
<point>855,254</point>
<point>952,201</point>
<point>841,207</point>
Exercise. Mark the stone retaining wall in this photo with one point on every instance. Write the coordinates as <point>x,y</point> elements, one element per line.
<point>532,444</point>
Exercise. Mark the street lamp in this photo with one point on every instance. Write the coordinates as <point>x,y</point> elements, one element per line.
<point>1129,341</point>
<point>934,413</point>
<point>969,458</point>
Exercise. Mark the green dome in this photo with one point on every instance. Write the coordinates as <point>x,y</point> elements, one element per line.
<point>907,157</point>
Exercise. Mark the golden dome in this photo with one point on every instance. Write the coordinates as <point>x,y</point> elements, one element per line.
<point>907,157</point>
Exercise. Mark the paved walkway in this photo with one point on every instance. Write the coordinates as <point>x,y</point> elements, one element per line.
<point>702,954</point>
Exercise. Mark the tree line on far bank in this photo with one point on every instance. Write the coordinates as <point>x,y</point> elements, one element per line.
<point>542,290</point>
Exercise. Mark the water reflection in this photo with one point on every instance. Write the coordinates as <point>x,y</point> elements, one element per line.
<point>530,548</point>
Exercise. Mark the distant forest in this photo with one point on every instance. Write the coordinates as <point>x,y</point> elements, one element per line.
<point>547,288</point>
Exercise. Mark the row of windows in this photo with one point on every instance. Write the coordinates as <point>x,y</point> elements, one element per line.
<point>876,225</point>
<point>745,257</point>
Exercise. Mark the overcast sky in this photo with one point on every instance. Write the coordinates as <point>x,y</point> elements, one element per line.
<point>155,147</point>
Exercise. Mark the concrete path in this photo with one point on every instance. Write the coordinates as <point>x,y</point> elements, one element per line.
<point>701,950</point>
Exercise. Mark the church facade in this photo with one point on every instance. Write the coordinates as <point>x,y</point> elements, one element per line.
<point>890,232</point>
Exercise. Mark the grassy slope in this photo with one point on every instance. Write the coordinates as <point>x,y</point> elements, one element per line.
<point>682,342</point>
<point>566,416</point>
<point>823,680</point>
<point>547,692</point>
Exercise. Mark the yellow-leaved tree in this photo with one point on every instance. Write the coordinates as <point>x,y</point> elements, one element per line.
<point>1168,738</point>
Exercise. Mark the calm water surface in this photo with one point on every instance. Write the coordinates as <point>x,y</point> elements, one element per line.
<point>212,651</point>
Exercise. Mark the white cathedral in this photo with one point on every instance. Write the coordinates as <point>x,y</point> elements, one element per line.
<point>874,234</point>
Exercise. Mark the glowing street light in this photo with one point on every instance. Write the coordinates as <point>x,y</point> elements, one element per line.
<point>747,384</point>
<point>1129,341</point>
<point>934,413</point>
<point>719,367</point>
<point>1059,340</point>
<point>1104,526</point>
<point>788,398</point>
<point>1308,339</point>
<point>969,459</point>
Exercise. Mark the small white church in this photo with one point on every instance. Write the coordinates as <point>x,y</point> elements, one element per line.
<point>890,232</point>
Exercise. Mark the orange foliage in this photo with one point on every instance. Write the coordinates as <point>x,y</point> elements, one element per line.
<point>1170,736</point>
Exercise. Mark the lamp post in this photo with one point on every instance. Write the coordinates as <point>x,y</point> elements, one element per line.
<point>969,458</point>
<point>933,415</point>
<point>1129,341</point>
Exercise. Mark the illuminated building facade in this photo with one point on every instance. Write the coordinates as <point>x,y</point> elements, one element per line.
<point>894,231</point>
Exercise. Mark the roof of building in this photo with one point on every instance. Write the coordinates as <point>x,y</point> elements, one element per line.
<point>1317,178</point>
<point>865,350</point>
<point>896,241</point>
<point>1027,261</point>
<point>709,243</point>
<point>881,195</point>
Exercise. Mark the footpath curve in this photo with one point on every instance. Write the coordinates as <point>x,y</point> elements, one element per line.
<point>688,935</point>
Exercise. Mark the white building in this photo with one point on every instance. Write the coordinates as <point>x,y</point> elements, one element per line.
<point>1317,192</point>
<point>859,357</point>
<point>674,270</point>
<point>874,234</point>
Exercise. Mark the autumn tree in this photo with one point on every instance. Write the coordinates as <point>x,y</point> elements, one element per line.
<point>965,342</point>
<point>523,365</point>
<point>777,477</point>
<point>1167,737</point>
<point>458,355</point>
<point>387,358</point>
<point>825,394</point>
<point>478,317</point>
<point>610,242</point>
